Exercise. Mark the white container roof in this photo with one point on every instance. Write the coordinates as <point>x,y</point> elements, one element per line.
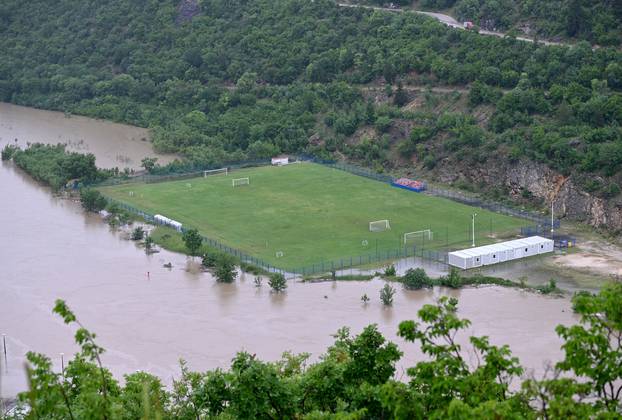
<point>499,247</point>
<point>534,240</point>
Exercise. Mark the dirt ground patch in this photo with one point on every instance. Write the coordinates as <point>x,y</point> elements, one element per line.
<point>594,257</point>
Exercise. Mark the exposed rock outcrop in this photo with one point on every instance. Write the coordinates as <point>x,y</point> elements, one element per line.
<point>543,183</point>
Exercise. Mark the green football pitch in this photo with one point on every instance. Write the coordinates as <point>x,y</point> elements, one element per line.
<point>302,214</point>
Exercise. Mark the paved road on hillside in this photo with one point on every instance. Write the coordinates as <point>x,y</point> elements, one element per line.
<point>447,20</point>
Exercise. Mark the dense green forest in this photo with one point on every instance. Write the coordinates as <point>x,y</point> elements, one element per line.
<point>458,378</point>
<point>228,80</point>
<point>598,22</point>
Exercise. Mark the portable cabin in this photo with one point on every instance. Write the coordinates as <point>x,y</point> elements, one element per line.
<point>465,259</point>
<point>500,252</point>
<point>540,245</point>
<point>175,225</point>
<point>280,160</point>
<point>513,252</point>
<point>525,248</point>
<point>163,220</point>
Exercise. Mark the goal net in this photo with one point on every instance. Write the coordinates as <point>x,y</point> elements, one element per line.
<point>379,226</point>
<point>241,181</point>
<point>413,236</point>
<point>220,171</point>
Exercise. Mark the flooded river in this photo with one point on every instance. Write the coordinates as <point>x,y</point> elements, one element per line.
<point>114,145</point>
<point>50,249</point>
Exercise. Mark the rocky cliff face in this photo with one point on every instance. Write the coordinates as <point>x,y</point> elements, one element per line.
<point>543,183</point>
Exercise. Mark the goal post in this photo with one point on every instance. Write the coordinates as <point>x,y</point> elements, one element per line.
<point>426,234</point>
<point>237,182</point>
<point>219,171</point>
<point>379,226</point>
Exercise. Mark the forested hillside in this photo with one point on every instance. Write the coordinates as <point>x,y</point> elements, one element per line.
<point>225,80</point>
<point>598,22</point>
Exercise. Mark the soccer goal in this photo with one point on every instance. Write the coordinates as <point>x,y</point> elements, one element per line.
<point>237,182</point>
<point>411,236</point>
<point>379,226</point>
<point>220,171</point>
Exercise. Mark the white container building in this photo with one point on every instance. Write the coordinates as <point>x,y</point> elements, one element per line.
<point>163,220</point>
<point>280,160</point>
<point>501,252</point>
<point>465,259</point>
<point>539,245</point>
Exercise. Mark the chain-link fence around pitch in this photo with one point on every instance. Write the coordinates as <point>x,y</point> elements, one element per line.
<point>492,206</point>
<point>371,259</point>
<point>431,252</point>
<point>181,173</point>
<point>319,268</point>
<point>193,172</point>
<point>456,196</point>
<point>213,243</point>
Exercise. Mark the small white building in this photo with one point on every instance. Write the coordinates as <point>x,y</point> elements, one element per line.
<point>163,220</point>
<point>280,160</point>
<point>465,259</point>
<point>501,252</point>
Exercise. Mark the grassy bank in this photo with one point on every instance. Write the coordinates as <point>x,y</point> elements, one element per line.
<point>171,240</point>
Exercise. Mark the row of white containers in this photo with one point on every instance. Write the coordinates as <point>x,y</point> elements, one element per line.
<point>163,220</point>
<point>503,251</point>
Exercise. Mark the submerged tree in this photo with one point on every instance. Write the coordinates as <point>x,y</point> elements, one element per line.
<point>386,294</point>
<point>137,234</point>
<point>225,268</point>
<point>193,241</point>
<point>92,200</point>
<point>148,243</point>
<point>416,278</point>
<point>277,282</point>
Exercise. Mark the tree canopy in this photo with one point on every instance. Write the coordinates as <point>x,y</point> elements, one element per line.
<point>236,80</point>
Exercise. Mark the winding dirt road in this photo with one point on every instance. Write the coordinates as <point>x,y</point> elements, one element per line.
<point>449,21</point>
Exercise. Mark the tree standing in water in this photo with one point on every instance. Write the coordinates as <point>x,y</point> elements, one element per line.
<point>277,282</point>
<point>193,241</point>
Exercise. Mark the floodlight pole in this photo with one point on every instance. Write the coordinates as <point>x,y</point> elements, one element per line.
<point>473,228</point>
<point>6,361</point>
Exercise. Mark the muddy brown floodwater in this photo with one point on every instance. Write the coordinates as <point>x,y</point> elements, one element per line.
<point>114,145</point>
<point>50,249</point>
